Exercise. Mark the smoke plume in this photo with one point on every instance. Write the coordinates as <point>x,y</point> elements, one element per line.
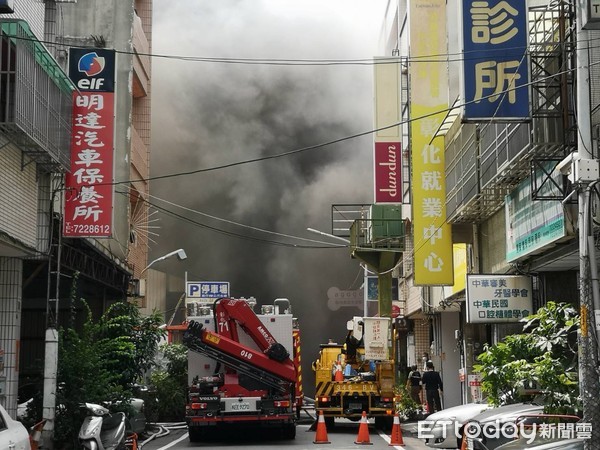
<point>208,114</point>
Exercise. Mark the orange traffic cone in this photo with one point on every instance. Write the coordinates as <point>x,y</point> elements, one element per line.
<point>339,376</point>
<point>363,431</point>
<point>464,443</point>
<point>36,434</point>
<point>321,435</point>
<point>396,436</point>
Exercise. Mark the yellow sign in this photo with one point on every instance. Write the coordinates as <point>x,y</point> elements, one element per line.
<point>213,338</point>
<point>354,387</point>
<point>433,260</point>
<point>460,270</point>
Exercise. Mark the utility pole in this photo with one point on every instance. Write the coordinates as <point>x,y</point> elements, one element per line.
<point>51,339</point>
<point>589,384</point>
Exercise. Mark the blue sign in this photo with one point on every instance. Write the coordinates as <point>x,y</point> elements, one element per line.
<point>496,67</point>
<point>207,289</point>
<point>92,69</point>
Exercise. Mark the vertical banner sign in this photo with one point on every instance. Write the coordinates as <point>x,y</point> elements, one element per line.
<point>89,189</point>
<point>496,68</point>
<point>433,256</point>
<point>388,154</point>
<point>388,170</point>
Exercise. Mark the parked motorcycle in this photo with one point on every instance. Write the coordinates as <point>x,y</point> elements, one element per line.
<point>102,430</point>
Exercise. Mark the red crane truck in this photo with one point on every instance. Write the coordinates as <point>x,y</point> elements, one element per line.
<point>242,378</point>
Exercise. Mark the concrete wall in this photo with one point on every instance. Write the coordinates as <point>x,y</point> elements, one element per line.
<point>492,241</point>
<point>450,358</point>
<point>113,21</point>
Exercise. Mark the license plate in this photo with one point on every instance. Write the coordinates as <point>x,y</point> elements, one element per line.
<point>355,406</point>
<point>241,406</point>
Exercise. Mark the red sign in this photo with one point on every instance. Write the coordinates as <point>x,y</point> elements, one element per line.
<point>388,172</point>
<point>89,189</point>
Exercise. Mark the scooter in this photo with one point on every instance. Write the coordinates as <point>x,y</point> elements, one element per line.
<point>102,430</point>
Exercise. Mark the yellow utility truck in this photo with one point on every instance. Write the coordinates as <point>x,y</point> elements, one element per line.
<point>358,375</point>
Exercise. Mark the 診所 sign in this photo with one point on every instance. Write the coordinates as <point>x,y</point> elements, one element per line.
<point>498,298</point>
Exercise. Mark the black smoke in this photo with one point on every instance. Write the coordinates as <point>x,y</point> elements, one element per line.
<point>208,114</point>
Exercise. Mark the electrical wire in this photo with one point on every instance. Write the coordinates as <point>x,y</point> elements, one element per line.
<point>258,61</point>
<point>230,222</point>
<point>439,58</point>
<point>503,93</point>
<point>233,234</point>
<point>334,141</point>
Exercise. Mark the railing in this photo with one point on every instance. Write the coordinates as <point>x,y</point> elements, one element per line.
<point>487,161</point>
<point>378,234</point>
<point>35,97</point>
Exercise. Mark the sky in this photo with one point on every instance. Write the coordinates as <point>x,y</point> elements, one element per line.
<point>210,114</point>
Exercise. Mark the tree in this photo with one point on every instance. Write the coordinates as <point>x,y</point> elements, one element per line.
<point>101,363</point>
<point>170,383</point>
<point>544,355</point>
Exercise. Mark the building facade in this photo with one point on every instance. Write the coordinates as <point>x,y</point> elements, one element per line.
<point>37,264</point>
<point>503,193</point>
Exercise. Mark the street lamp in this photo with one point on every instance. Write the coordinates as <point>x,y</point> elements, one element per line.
<point>180,254</point>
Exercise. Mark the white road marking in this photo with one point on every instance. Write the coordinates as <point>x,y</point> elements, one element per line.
<point>177,441</point>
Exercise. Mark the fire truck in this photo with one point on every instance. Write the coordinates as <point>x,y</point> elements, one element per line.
<point>358,375</point>
<point>243,368</point>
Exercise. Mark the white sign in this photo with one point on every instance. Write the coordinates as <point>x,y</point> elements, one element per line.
<point>207,289</point>
<point>337,298</point>
<point>595,9</point>
<point>498,298</point>
<point>475,388</point>
<point>375,337</point>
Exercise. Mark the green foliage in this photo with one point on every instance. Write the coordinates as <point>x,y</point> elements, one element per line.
<point>406,407</point>
<point>170,383</point>
<point>544,355</point>
<point>100,363</point>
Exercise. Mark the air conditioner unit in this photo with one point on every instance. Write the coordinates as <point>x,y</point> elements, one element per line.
<point>137,288</point>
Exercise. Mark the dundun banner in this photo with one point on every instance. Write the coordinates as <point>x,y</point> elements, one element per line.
<point>429,102</point>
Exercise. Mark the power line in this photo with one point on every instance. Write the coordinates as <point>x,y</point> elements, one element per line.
<point>373,61</point>
<point>338,140</point>
<point>262,230</point>
<point>230,233</point>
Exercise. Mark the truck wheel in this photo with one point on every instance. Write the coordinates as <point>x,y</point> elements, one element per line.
<point>289,431</point>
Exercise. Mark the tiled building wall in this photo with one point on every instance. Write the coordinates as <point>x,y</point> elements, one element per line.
<point>138,254</point>
<point>422,340</point>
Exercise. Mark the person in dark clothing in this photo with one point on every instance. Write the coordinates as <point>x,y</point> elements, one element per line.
<point>433,387</point>
<point>414,384</point>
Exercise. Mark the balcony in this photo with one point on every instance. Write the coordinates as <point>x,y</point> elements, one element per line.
<point>35,98</point>
<point>377,235</point>
<point>141,59</point>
